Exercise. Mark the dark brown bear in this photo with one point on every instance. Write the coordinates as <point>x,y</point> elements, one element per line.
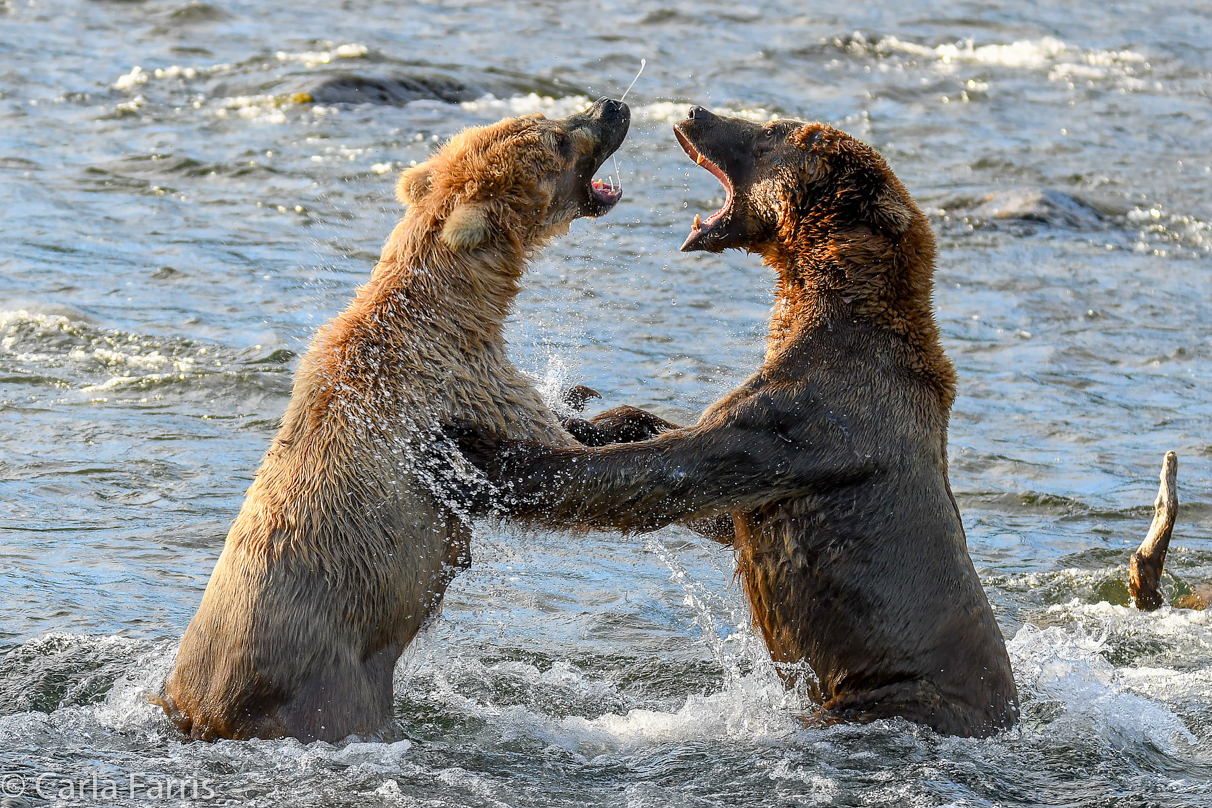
<point>831,458</point>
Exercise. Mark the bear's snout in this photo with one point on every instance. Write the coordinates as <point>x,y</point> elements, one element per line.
<point>610,109</point>
<point>609,119</point>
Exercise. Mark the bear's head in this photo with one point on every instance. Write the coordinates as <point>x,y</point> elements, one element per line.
<point>517,182</point>
<point>787,181</point>
<point>826,212</point>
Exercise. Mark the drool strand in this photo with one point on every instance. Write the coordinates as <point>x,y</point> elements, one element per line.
<point>617,178</point>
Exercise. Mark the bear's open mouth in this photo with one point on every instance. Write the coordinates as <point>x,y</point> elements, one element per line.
<point>606,123</point>
<point>702,227</point>
<point>605,193</point>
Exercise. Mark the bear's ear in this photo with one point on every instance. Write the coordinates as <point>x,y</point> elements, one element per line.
<point>891,213</point>
<point>413,184</point>
<point>466,227</point>
<point>806,136</point>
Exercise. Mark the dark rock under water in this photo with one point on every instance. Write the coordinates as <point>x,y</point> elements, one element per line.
<point>391,91</point>
<point>1041,206</point>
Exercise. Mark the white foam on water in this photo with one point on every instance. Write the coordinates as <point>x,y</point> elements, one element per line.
<point>660,111</point>
<point>1098,703</point>
<point>93,360</point>
<point>309,59</point>
<point>1066,666</point>
<point>261,108</point>
<point>825,790</point>
<point>138,76</point>
<point>654,112</point>
<point>126,706</point>
<point>1093,702</point>
<point>272,109</point>
<point>1159,225</point>
<point>751,709</point>
<point>451,677</point>
<point>124,733</point>
<point>471,782</point>
<point>666,111</point>
<point>1035,54</point>
<point>20,327</point>
<point>528,104</point>
<point>287,760</point>
<point>1062,61</point>
<point>378,758</point>
<point>124,711</point>
<point>135,77</point>
<point>11,328</point>
<point>755,708</point>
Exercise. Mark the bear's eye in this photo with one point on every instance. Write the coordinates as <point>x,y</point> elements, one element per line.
<point>765,140</point>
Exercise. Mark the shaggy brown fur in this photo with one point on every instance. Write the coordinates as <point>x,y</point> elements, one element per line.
<point>832,458</point>
<point>348,537</point>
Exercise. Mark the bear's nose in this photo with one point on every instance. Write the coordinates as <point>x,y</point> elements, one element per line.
<point>609,106</point>
<point>698,113</point>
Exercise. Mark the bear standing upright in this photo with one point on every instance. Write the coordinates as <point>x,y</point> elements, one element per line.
<point>831,458</point>
<point>348,536</point>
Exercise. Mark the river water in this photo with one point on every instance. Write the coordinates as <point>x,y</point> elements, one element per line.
<point>178,219</point>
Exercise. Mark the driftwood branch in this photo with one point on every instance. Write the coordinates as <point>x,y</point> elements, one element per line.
<point>1145,568</point>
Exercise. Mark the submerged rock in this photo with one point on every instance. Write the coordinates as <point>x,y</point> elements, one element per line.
<point>1045,206</point>
<point>389,91</point>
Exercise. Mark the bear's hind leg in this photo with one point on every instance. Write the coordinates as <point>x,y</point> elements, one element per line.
<point>348,697</point>
<point>920,702</point>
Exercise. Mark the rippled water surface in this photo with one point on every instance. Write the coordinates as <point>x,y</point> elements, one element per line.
<point>187,192</point>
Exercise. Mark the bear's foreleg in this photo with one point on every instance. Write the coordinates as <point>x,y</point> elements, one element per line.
<point>628,424</point>
<point>621,425</point>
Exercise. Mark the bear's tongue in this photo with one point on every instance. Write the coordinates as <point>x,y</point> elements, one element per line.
<point>606,191</point>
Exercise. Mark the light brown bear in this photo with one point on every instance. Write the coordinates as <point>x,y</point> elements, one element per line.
<point>831,458</point>
<point>348,537</point>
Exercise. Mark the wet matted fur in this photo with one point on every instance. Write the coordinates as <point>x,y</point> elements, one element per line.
<point>831,458</point>
<point>348,537</point>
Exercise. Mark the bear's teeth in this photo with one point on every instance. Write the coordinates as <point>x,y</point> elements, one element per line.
<point>698,225</point>
<point>699,159</point>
